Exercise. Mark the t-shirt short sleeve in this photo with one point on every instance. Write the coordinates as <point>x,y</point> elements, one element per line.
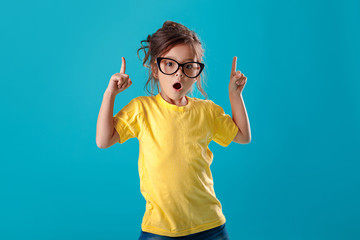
<point>127,121</point>
<point>225,129</point>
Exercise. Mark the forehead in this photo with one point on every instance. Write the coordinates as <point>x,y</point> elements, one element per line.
<point>181,52</point>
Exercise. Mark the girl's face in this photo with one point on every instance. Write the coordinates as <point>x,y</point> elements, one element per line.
<point>168,83</point>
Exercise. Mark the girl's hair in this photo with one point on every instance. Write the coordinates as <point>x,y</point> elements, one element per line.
<point>170,35</point>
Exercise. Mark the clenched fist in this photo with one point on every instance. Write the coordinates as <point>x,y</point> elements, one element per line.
<point>119,81</point>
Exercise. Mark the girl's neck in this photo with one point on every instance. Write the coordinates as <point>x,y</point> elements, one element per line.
<point>181,102</point>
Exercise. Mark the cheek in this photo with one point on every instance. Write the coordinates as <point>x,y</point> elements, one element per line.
<point>164,78</point>
<point>191,81</point>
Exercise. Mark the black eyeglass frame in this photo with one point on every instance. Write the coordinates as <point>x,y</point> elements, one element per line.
<point>158,60</point>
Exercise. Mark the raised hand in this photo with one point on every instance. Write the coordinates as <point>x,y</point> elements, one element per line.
<point>119,81</point>
<point>237,79</point>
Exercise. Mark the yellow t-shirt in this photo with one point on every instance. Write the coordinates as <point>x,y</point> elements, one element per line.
<point>174,161</point>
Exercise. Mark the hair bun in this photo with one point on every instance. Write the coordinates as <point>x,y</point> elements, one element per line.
<point>170,26</point>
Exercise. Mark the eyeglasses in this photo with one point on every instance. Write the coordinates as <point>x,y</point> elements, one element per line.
<point>169,66</point>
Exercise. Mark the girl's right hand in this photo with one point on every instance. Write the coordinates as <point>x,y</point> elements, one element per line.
<point>119,81</point>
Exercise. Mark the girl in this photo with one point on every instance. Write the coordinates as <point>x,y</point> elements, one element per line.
<point>174,131</point>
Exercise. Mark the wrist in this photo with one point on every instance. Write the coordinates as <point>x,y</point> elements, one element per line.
<point>234,94</point>
<point>110,93</point>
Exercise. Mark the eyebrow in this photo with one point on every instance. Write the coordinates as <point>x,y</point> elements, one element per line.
<point>191,59</point>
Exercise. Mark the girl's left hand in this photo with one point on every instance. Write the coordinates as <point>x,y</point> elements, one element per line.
<point>237,79</point>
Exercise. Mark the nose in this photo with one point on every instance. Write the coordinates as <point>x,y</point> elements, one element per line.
<point>179,71</point>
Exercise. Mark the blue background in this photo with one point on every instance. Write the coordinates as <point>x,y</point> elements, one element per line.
<point>297,179</point>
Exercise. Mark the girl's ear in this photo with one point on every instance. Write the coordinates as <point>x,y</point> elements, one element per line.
<point>154,71</point>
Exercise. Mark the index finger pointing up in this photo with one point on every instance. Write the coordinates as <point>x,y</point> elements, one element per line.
<point>233,69</point>
<point>123,65</point>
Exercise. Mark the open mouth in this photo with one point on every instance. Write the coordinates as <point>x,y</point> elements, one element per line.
<point>177,86</point>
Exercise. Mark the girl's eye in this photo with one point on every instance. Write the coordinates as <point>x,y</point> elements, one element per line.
<point>189,66</point>
<point>169,64</point>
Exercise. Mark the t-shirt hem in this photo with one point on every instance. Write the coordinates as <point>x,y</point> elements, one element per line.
<point>186,232</point>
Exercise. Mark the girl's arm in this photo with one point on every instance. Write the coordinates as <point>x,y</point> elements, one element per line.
<point>241,119</point>
<point>239,114</point>
<point>106,134</point>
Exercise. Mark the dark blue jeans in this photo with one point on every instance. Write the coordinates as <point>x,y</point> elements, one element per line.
<point>218,233</point>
